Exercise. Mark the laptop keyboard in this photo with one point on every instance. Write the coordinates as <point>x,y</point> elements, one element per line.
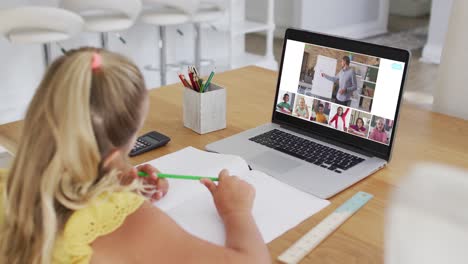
<point>307,150</point>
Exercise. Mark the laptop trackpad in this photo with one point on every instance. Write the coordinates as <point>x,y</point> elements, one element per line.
<point>274,162</point>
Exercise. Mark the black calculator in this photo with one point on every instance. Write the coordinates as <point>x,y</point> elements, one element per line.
<point>149,141</point>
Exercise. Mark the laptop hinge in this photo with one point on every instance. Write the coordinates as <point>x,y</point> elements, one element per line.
<point>327,140</point>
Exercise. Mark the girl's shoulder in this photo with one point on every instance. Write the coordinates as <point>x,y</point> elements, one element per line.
<point>100,217</point>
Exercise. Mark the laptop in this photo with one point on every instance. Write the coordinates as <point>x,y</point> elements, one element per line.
<point>330,133</point>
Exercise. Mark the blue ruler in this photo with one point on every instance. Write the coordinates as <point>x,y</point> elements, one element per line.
<point>315,236</point>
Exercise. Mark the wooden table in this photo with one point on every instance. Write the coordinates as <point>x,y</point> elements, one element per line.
<point>421,136</point>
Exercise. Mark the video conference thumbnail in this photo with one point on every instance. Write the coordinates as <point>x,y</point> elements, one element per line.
<point>320,111</point>
<point>347,91</point>
<point>336,116</point>
<point>286,102</point>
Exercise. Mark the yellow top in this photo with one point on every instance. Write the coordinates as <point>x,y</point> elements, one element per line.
<point>321,118</point>
<point>103,216</point>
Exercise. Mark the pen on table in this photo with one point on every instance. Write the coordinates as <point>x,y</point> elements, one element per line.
<point>175,176</point>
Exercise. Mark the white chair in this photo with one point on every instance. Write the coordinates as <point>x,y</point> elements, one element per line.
<point>163,13</point>
<point>207,11</point>
<point>36,24</point>
<point>104,16</point>
<point>427,220</point>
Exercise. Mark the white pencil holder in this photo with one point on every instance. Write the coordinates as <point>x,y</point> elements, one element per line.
<point>205,112</point>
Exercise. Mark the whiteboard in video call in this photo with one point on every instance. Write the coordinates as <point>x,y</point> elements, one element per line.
<point>321,86</point>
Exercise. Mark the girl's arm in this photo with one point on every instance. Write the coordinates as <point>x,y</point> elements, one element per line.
<point>345,113</point>
<point>372,134</point>
<point>151,236</point>
<point>356,132</point>
<point>362,133</point>
<point>334,119</point>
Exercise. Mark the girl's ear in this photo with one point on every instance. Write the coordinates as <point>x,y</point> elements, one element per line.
<point>112,159</point>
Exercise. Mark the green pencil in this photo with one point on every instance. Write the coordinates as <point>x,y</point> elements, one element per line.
<point>179,177</point>
<point>207,83</point>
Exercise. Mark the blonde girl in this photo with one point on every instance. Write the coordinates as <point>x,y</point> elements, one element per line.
<point>72,197</point>
<point>302,110</point>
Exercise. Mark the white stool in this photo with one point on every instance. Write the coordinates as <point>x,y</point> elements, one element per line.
<point>44,25</point>
<point>104,16</point>
<point>208,11</point>
<point>163,13</point>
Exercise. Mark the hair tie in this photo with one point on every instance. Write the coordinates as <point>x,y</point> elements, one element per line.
<point>96,61</point>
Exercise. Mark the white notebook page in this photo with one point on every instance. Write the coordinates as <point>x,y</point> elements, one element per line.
<point>277,207</point>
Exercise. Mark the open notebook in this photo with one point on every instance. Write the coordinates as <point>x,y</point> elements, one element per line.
<point>277,207</point>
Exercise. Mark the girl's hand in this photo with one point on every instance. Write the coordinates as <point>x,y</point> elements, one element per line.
<point>161,186</point>
<point>231,194</point>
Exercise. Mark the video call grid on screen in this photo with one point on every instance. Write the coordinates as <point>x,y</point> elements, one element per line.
<point>367,109</point>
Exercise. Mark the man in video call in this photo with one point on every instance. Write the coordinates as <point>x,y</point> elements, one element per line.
<point>346,79</point>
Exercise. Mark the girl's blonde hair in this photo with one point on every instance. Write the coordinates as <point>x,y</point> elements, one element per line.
<point>77,117</point>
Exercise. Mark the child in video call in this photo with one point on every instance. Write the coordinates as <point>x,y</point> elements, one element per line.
<point>358,128</point>
<point>302,110</point>
<point>284,106</point>
<point>71,195</point>
<point>378,133</point>
<point>320,117</point>
<point>340,119</point>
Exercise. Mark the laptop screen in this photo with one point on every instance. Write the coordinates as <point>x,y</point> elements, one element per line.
<point>352,93</point>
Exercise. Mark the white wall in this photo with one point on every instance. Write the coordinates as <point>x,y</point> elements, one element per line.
<point>22,65</point>
<point>334,14</point>
<point>354,19</point>
<point>440,12</point>
<point>412,8</point>
<point>286,13</point>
